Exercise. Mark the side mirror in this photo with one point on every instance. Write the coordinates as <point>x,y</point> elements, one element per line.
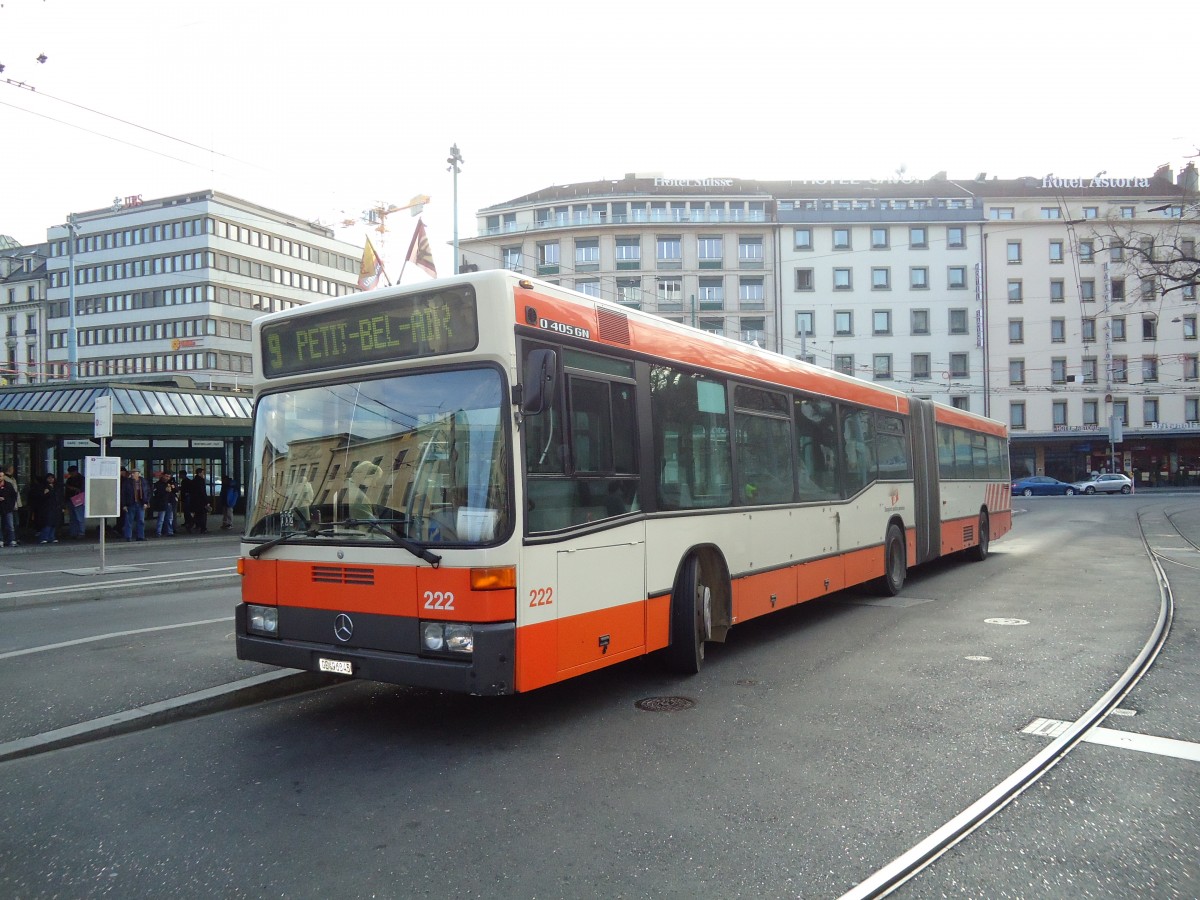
<point>538,381</point>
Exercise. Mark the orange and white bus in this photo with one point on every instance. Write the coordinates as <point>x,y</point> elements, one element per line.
<point>489,483</point>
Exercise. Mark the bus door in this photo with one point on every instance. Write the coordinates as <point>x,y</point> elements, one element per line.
<point>925,480</point>
<point>582,480</point>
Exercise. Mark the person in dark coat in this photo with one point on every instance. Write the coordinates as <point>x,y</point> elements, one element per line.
<point>10,496</point>
<point>49,510</point>
<point>198,501</point>
<point>163,501</point>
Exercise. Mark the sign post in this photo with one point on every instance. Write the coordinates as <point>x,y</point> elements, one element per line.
<point>102,480</point>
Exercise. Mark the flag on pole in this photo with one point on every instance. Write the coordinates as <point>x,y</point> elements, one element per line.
<point>371,272</point>
<point>419,252</point>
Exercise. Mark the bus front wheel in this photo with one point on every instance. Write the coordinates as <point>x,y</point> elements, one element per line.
<point>895,561</point>
<point>691,619</point>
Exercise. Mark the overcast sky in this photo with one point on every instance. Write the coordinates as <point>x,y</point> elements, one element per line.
<point>321,110</point>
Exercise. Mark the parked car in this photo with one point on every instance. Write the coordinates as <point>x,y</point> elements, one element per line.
<point>1105,484</point>
<point>1042,485</point>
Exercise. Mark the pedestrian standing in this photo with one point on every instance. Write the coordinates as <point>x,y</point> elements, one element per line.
<point>49,510</point>
<point>73,491</point>
<point>10,499</point>
<point>199,500</point>
<point>164,499</point>
<point>229,499</point>
<point>133,503</point>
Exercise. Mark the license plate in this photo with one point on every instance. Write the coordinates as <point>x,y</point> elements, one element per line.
<point>340,666</point>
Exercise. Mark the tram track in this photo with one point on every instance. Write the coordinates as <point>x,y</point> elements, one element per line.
<point>913,861</point>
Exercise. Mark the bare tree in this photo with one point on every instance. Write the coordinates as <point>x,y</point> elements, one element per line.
<point>1164,255</point>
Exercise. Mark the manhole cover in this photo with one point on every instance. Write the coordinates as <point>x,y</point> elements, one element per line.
<point>665,704</point>
<point>1004,621</point>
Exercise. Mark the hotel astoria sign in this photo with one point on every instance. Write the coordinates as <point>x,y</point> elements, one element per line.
<point>1098,182</point>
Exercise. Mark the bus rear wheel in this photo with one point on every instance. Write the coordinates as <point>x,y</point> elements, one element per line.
<point>979,552</point>
<point>691,619</point>
<point>895,561</point>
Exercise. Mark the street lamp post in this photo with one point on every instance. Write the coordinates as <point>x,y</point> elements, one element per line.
<point>455,159</point>
<point>72,338</point>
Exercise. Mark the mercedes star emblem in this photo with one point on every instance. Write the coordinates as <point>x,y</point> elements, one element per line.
<point>343,627</point>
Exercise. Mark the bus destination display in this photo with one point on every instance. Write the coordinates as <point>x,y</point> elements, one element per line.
<point>393,328</point>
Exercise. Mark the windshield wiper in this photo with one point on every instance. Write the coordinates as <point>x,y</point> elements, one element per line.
<point>418,550</point>
<point>259,549</point>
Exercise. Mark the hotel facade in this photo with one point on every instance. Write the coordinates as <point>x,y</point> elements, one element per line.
<point>1021,299</point>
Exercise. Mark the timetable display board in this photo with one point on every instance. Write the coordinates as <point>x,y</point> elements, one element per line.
<point>387,329</point>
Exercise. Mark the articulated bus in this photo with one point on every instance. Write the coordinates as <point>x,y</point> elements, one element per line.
<point>489,483</point>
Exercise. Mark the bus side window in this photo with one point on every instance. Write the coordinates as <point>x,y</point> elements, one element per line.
<point>816,449</point>
<point>858,434</point>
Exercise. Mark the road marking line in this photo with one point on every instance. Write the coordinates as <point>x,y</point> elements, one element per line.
<point>104,637</point>
<point>198,575</point>
<point>1128,740</point>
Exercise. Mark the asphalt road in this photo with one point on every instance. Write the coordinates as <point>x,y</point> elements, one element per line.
<point>820,743</point>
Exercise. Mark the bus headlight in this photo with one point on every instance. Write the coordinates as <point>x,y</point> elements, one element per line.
<point>262,620</point>
<point>451,638</point>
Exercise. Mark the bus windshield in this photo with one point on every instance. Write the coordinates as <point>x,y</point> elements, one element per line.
<point>417,457</point>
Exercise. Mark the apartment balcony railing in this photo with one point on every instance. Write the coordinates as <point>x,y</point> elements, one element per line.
<point>639,218</point>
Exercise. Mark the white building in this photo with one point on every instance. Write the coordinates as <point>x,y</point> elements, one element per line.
<point>22,310</point>
<point>1014,298</point>
<point>169,287</point>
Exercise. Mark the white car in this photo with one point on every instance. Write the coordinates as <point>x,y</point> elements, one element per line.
<point>1105,484</point>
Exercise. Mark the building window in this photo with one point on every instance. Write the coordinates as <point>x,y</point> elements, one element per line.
<point>750,251</point>
<point>1120,409</point>
<point>1149,328</point>
<point>670,251</point>
<point>881,322</point>
<point>1059,413</point>
<point>802,238</point>
<point>1001,212</point>
<point>921,367</point>
<point>1191,368</point>
<point>709,251</point>
<point>1051,212</point>
<point>1091,412</point>
<point>1087,290</point>
<point>589,286</point>
<point>842,280</point>
<point>1116,251</point>
<point>804,323</point>
<point>956,278</point>
<point>918,237</point>
<point>1057,290</point>
<point>1149,369</point>
<point>1088,369</point>
<point>844,363</point>
<point>670,290</point>
<point>880,238</point>
<point>1120,369</point>
<point>1058,370</point>
<point>750,291</point>
<point>1016,331</point>
<point>843,323</point>
<point>841,239</point>
<point>1091,212</point>
<point>958,321</point>
<point>1016,371</point>
<point>1150,410</point>
<point>1016,415</point>
<point>1087,251</point>
<point>629,291</point>
<point>512,258</point>
<point>882,366</point>
<point>955,236</point>
<point>1056,252</point>
<point>960,365</point>
<point>548,258</point>
<point>629,251</point>
<point>881,279</point>
<point>1118,328</point>
<point>1126,212</point>
<point>1058,331</point>
<point>1015,291</point>
<point>1189,328</point>
<point>587,253</point>
<point>804,279</point>
<point>1014,252</point>
<point>918,278</point>
<point>919,321</point>
<point>711,293</point>
<point>1149,289</point>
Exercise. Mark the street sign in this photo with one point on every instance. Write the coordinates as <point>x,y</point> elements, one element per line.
<point>102,416</point>
<point>102,487</point>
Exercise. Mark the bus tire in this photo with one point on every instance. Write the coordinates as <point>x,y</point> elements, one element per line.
<point>895,561</point>
<point>691,619</point>
<point>979,552</point>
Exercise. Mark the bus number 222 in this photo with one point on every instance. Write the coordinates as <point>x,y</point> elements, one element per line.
<point>439,600</point>
<point>541,597</point>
